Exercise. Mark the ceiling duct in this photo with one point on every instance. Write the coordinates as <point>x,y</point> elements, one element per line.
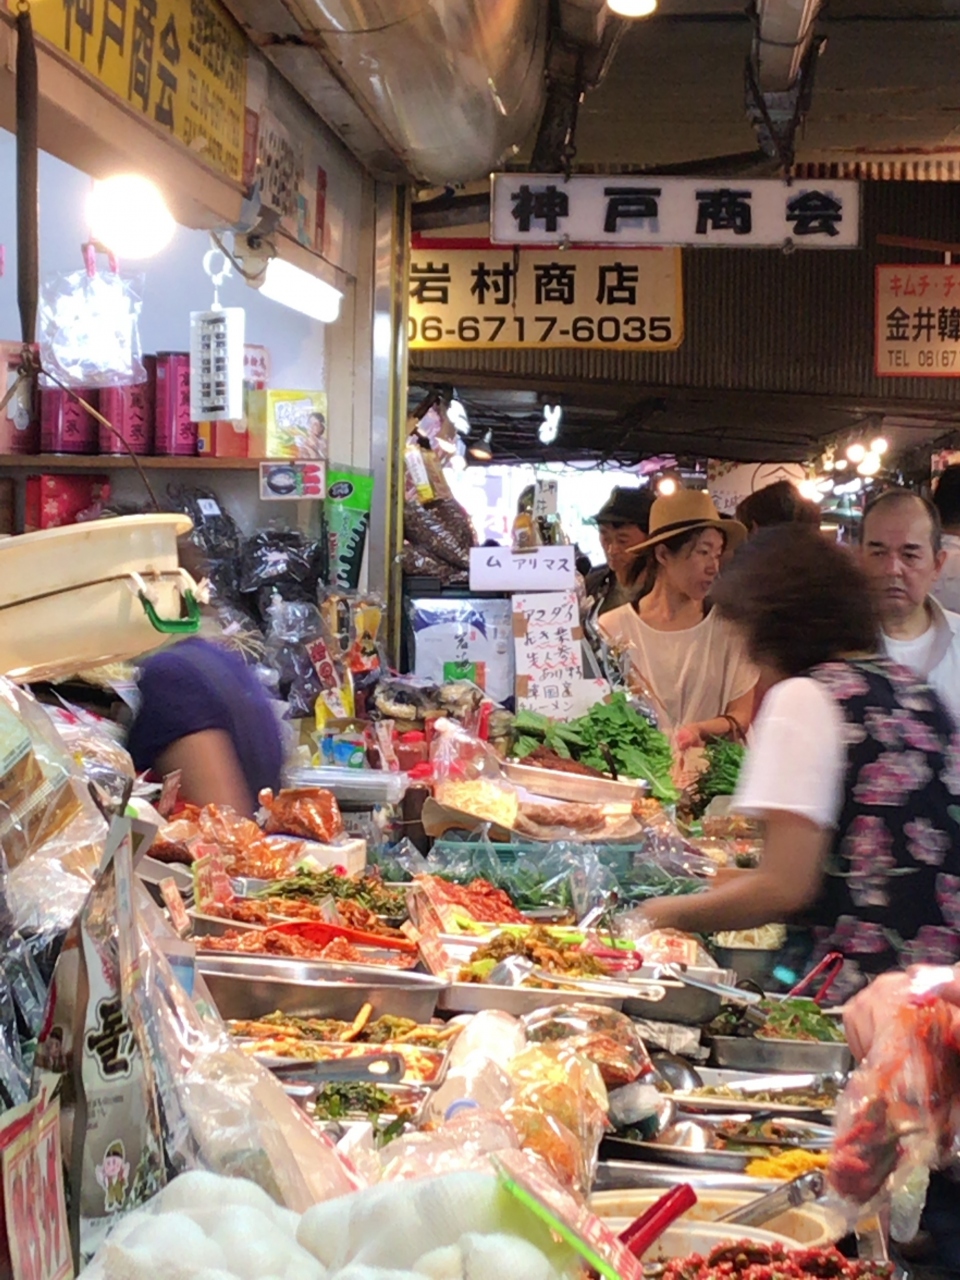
<point>779,73</point>
<point>437,90</point>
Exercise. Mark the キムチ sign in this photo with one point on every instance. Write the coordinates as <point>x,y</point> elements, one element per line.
<point>543,208</point>
<point>180,63</point>
<point>474,294</point>
<point>917,333</point>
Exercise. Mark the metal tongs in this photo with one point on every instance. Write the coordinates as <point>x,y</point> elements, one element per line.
<point>515,970</point>
<point>734,995</point>
<point>300,1079</point>
<point>809,1186</point>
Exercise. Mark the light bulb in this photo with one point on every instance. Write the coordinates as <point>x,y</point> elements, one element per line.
<point>666,487</point>
<point>129,216</point>
<point>828,464</point>
<point>840,464</point>
<point>808,489</point>
<point>632,8</point>
<point>870,465</point>
<point>482,449</point>
<point>879,445</point>
<point>857,452</point>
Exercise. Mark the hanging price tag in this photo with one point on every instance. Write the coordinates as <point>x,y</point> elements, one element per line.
<point>216,364</point>
<point>545,498</point>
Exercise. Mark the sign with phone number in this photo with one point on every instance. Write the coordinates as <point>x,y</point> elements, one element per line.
<point>483,297</point>
<point>917,332</point>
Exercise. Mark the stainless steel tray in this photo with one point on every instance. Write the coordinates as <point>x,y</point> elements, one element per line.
<point>472,997</point>
<point>216,926</point>
<point>571,786</point>
<point>252,988</point>
<point>623,1175</point>
<point>690,1006</point>
<point>693,1102</point>
<point>750,1053</point>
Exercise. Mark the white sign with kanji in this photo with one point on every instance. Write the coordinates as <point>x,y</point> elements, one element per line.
<point>917,331</point>
<point>547,642</point>
<point>474,294</point>
<point>544,208</point>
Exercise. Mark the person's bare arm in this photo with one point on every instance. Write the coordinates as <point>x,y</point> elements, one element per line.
<point>210,771</point>
<point>740,710</point>
<point>787,880</point>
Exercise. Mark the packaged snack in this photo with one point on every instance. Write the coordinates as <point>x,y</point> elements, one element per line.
<point>610,1040</point>
<point>309,812</point>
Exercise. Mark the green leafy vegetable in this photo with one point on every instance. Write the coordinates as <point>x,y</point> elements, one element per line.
<point>724,762</point>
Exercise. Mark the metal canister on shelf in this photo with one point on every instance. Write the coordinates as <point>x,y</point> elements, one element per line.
<point>65,425</point>
<point>131,410</point>
<point>175,435</point>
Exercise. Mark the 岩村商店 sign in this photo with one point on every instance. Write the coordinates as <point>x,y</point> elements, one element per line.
<point>181,63</point>
<point>474,294</point>
<point>531,208</point>
<point>917,331</point>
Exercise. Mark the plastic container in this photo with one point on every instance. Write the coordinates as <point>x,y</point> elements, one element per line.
<point>175,434</point>
<point>356,786</point>
<point>65,425</point>
<point>132,410</point>
<point>412,749</point>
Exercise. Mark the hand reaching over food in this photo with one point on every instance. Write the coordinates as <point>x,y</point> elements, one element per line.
<point>872,1007</point>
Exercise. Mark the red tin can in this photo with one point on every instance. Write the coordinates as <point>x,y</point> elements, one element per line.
<point>131,409</point>
<point>65,425</point>
<point>175,435</point>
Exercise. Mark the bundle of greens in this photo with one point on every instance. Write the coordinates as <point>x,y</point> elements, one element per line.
<point>720,777</point>
<point>609,732</point>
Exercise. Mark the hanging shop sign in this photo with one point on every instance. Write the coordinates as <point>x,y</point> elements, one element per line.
<point>533,208</point>
<point>917,326</point>
<point>181,63</point>
<point>471,294</point>
<point>729,483</point>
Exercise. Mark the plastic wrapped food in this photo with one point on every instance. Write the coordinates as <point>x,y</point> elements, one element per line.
<point>310,812</point>
<point>443,530</point>
<point>898,1113</point>
<point>609,1039</point>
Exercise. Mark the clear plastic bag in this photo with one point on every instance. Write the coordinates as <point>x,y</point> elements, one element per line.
<point>608,1039</point>
<point>899,1111</point>
<point>90,328</point>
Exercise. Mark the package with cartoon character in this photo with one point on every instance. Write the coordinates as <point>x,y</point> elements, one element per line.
<point>110,1123</point>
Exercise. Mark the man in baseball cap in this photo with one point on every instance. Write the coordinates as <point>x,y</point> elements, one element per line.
<point>623,521</point>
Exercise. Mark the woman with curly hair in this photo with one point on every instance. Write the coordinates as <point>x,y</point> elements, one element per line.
<point>854,771</point>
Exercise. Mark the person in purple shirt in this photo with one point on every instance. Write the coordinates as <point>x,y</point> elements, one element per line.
<point>204,712</point>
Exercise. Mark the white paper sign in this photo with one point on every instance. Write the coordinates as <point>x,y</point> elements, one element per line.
<point>545,498</point>
<point>547,644</point>
<point>500,569</point>
<point>545,208</point>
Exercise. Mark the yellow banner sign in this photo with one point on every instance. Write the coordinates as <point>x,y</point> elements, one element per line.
<point>490,296</point>
<point>917,333</point>
<point>182,63</point>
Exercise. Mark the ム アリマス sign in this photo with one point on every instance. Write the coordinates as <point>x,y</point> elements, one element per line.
<point>532,208</point>
<point>917,332</point>
<point>180,63</point>
<point>474,294</point>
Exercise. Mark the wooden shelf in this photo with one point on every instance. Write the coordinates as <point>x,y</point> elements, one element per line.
<point>91,462</point>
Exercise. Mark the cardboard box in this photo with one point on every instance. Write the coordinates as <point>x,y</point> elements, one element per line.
<point>52,501</point>
<point>287,424</point>
<point>223,439</point>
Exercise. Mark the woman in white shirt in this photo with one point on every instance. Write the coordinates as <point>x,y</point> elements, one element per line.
<point>854,770</point>
<point>689,659</point>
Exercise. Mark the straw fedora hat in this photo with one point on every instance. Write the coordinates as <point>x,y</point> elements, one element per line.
<point>685,511</point>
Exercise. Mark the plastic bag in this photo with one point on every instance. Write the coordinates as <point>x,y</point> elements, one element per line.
<point>309,812</point>
<point>607,1038</point>
<point>273,557</point>
<point>899,1111</point>
<point>215,535</point>
<point>89,328</point>
<point>442,530</point>
<point>292,626</point>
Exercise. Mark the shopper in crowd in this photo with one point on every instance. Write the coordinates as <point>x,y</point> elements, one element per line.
<point>853,769</point>
<point>900,539</point>
<point>946,499</point>
<point>623,521</point>
<point>203,711</point>
<point>681,652</point>
<point>779,503</point>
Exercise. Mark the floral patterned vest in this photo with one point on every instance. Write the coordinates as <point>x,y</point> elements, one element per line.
<point>891,893</point>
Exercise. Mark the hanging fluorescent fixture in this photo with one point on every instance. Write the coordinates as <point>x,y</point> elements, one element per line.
<point>301,291</point>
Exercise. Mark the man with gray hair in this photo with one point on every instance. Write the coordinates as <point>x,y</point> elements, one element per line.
<point>900,541</point>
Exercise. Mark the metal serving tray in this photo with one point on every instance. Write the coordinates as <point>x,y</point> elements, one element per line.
<point>205,926</point>
<point>243,987</point>
<point>557,785</point>
<point>754,1083</point>
<point>690,1006</point>
<point>751,1053</point>
<point>473,997</point>
<point>615,1146</point>
<point>623,1175</point>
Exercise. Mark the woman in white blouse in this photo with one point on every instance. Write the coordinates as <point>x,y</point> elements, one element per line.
<point>690,660</point>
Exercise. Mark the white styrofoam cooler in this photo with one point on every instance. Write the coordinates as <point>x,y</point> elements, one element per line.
<point>69,597</point>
